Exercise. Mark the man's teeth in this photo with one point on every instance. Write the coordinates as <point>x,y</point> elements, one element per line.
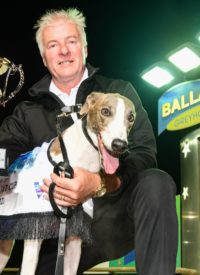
<point>65,62</point>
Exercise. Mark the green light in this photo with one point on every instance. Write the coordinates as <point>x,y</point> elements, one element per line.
<point>157,76</point>
<point>185,59</point>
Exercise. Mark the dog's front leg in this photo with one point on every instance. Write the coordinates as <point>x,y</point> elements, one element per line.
<point>5,252</point>
<point>30,256</point>
<point>72,255</point>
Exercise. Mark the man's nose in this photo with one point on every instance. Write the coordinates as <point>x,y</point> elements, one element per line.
<point>64,49</point>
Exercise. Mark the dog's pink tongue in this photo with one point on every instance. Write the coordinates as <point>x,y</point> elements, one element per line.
<point>110,163</point>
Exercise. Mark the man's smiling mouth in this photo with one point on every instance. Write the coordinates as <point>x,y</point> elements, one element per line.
<point>65,62</point>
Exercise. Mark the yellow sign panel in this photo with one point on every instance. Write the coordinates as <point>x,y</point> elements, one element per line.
<point>187,119</point>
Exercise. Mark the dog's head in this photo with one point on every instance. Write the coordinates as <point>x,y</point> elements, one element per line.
<point>110,117</point>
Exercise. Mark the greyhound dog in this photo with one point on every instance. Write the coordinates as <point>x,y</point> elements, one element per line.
<point>93,142</point>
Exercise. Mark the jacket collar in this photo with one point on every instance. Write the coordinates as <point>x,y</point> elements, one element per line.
<point>42,86</point>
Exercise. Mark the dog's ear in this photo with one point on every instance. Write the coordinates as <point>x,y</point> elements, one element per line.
<point>90,102</point>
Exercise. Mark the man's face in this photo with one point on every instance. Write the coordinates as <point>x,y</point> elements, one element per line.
<point>64,54</point>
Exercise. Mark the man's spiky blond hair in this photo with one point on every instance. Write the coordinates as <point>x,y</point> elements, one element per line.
<point>71,14</point>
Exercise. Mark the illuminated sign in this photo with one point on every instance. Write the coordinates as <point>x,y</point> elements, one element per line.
<point>179,107</point>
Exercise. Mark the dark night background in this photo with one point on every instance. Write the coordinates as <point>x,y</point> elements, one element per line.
<point>124,38</point>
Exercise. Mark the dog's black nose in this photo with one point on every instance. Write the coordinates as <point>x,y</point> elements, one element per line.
<point>119,145</point>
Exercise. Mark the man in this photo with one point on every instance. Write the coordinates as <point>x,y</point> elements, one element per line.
<point>138,211</point>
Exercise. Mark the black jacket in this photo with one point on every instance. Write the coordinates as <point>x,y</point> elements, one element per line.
<point>34,122</point>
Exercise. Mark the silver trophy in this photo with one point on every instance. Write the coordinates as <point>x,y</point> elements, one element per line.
<point>8,67</point>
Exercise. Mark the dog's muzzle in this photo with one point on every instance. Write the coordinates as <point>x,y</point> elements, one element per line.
<point>119,146</point>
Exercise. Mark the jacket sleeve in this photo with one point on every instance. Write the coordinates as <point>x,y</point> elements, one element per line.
<point>142,143</point>
<point>14,135</point>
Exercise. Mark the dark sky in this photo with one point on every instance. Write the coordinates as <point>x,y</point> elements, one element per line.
<point>125,37</point>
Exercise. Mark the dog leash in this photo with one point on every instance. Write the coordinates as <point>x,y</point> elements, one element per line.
<point>63,213</point>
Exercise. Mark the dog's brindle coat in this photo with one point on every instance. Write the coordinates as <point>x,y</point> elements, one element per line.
<point>109,117</point>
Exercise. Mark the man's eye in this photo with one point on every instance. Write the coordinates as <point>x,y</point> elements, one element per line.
<point>52,45</point>
<point>105,112</point>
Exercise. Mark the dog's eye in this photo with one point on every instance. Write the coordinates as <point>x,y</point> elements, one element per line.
<point>105,112</point>
<point>131,117</point>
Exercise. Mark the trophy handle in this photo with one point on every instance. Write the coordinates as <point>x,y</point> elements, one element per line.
<point>11,69</point>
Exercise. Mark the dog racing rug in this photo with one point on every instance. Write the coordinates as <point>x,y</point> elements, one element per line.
<point>25,213</point>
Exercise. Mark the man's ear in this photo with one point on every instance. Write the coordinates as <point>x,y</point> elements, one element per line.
<point>86,52</point>
<point>44,61</point>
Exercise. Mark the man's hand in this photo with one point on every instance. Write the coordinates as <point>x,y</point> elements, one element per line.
<point>72,192</point>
